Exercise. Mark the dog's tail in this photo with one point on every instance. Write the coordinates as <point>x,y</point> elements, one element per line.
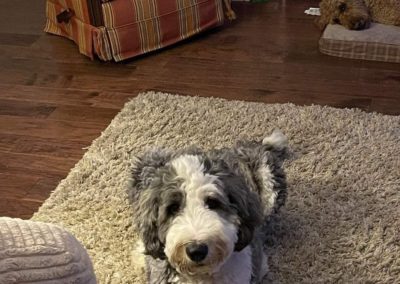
<point>277,141</point>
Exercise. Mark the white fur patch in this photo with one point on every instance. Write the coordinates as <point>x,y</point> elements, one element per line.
<point>191,170</point>
<point>267,193</point>
<point>276,139</point>
<point>197,223</point>
<point>138,257</point>
<point>237,269</point>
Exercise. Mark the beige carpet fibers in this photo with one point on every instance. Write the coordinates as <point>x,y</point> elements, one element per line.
<point>341,222</point>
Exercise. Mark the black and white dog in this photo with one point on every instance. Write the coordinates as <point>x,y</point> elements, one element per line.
<point>201,214</point>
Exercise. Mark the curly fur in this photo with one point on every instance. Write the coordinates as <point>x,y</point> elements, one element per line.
<point>358,14</point>
<point>221,199</point>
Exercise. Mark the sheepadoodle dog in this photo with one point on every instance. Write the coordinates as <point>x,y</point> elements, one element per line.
<point>358,14</point>
<point>202,215</point>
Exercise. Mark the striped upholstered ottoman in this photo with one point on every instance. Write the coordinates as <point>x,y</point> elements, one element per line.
<point>121,29</point>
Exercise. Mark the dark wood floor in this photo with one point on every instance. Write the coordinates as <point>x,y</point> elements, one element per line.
<point>54,102</point>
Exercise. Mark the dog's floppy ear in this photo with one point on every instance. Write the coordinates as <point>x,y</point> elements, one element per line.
<point>146,166</point>
<point>326,14</point>
<point>148,224</point>
<point>264,164</point>
<point>143,173</point>
<point>247,206</point>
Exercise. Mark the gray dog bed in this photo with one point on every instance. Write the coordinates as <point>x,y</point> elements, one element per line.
<point>379,42</point>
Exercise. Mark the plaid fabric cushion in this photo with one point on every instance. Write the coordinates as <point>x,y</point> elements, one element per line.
<point>141,26</point>
<point>379,43</point>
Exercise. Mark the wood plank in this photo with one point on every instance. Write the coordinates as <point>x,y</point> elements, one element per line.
<point>16,185</point>
<point>50,147</point>
<point>303,77</point>
<point>17,39</point>
<point>83,114</point>
<point>22,17</point>
<point>37,127</point>
<point>35,165</point>
<point>25,109</point>
<point>65,96</point>
<point>17,208</point>
<point>42,189</point>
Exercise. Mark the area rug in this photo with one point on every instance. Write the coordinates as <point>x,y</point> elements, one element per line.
<point>341,223</point>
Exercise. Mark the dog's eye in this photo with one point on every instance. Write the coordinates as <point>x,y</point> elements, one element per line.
<point>342,7</point>
<point>212,203</point>
<point>173,209</point>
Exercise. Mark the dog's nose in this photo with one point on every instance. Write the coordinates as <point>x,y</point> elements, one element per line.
<point>197,251</point>
<point>361,24</point>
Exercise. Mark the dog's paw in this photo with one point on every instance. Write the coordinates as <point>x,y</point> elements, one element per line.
<point>231,15</point>
<point>138,261</point>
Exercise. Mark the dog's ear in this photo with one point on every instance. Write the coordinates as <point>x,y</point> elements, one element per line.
<point>250,215</point>
<point>147,225</point>
<point>247,206</point>
<point>264,168</point>
<point>321,22</point>
<point>148,201</point>
<point>326,14</point>
<point>146,166</point>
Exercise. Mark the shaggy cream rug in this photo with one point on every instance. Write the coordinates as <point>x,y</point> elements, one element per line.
<point>341,223</point>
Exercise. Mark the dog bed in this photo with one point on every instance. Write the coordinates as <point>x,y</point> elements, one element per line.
<point>379,43</point>
<point>41,253</point>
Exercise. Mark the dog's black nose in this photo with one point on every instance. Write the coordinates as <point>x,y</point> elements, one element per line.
<point>360,25</point>
<point>197,251</point>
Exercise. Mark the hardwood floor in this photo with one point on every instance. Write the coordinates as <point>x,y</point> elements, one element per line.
<point>54,101</point>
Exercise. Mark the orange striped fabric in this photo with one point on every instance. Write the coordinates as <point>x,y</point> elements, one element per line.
<point>90,40</point>
<point>136,27</point>
<point>133,27</point>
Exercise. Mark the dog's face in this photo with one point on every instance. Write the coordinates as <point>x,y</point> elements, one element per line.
<point>193,211</point>
<point>352,14</point>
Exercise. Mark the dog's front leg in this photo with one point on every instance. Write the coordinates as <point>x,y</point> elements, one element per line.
<point>230,14</point>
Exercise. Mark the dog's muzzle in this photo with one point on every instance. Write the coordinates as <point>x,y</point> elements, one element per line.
<point>361,25</point>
